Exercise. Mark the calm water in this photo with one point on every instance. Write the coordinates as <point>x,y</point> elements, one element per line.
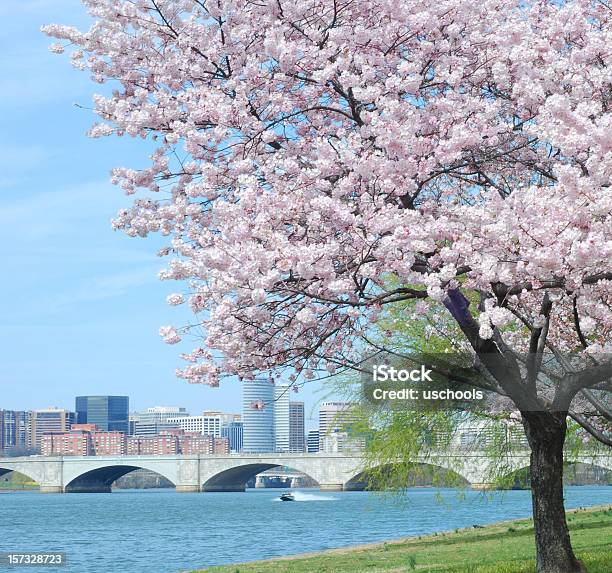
<point>164,532</point>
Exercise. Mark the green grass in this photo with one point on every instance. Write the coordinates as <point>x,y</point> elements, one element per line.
<point>18,485</point>
<point>506,547</point>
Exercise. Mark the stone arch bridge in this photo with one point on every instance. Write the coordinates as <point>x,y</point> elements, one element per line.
<point>231,472</point>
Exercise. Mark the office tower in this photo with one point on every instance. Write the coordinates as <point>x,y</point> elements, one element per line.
<point>258,415</point>
<point>296,427</point>
<point>281,418</point>
<point>312,442</point>
<point>156,420</point>
<point>14,431</point>
<point>334,418</point>
<point>47,421</point>
<point>234,432</point>
<point>109,413</point>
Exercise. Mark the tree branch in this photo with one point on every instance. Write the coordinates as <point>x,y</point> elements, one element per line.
<point>600,436</point>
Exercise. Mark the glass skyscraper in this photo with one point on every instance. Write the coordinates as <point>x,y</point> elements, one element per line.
<point>296,427</point>
<point>14,430</point>
<point>109,413</point>
<point>235,433</point>
<point>258,416</point>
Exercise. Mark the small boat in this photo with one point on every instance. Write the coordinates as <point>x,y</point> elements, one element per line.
<point>288,496</point>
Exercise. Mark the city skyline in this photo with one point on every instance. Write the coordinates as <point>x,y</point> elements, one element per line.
<point>62,232</point>
<point>311,408</point>
<point>269,422</point>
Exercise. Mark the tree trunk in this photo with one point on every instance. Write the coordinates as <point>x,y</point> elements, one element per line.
<point>546,435</point>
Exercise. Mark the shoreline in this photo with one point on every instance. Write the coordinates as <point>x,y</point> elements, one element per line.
<point>477,530</point>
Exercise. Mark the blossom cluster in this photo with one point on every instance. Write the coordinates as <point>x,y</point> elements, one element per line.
<point>324,147</point>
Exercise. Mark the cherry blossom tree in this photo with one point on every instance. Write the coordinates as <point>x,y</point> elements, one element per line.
<point>310,154</point>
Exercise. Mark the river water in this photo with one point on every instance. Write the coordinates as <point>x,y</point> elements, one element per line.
<point>160,531</point>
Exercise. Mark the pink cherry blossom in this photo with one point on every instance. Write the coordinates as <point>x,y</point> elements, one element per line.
<point>317,163</point>
<point>175,299</point>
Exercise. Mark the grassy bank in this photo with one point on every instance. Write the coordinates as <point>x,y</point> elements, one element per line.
<point>506,547</point>
<point>11,485</point>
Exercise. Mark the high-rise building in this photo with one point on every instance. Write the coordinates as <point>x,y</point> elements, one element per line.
<point>155,420</point>
<point>234,432</point>
<point>47,421</point>
<point>208,424</point>
<point>296,427</point>
<point>281,417</point>
<point>335,419</point>
<point>312,442</point>
<point>14,431</point>
<point>258,415</point>
<point>109,413</point>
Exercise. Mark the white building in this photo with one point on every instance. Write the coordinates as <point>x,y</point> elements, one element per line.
<point>155,420</point>
<point>332,443</point>
<point>208,424</point>
<point>334,417</point>
<point>258,416</point>
<point>296,427</point>
<point>281,417</point>
<point>167,411</point>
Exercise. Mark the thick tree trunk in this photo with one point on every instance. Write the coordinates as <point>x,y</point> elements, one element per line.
<point>546,436</point>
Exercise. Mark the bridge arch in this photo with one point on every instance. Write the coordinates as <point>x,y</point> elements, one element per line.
<point>519,478</point>
<point>18,470</point>
<point>236,477</point>
<point>100,478</point>
<point>411,475</point>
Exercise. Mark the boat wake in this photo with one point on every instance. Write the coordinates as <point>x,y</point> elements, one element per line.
<point>300,496</point>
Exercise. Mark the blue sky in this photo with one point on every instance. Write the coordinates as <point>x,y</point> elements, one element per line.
<point>80,304</point>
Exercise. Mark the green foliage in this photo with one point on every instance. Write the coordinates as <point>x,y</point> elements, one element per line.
<point>395,437</point>
<point>15,480</point>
